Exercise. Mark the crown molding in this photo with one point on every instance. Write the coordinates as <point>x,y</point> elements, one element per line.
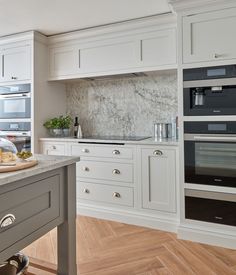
<point>24,36</point>
<point>183,5</point>
<point>123,28</point>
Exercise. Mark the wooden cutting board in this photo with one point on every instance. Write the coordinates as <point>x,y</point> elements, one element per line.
<point>19,166</point>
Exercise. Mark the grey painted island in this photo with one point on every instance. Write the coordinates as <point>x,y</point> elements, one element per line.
<point>33,202</point>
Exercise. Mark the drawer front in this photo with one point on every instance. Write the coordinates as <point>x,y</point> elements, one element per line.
<point>33,206</point>
<point>54,149</point>
<point>220,210</point>
<point>116,152</point>
<point>122,172</point>
<point>105,193</point>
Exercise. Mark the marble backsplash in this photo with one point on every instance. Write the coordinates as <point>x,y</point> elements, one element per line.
<point>124,106</point>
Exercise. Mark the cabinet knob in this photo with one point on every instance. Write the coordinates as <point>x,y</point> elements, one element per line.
<point>116,152</point>
<point>85,169</point>
<point>116,172</point>
<point>86,191</point>
<point>14,78</point>
<point>7,220</point>
<point>116,195</point>
<point>157,153</point>
<point>85,150</point>
<point>54,147</point>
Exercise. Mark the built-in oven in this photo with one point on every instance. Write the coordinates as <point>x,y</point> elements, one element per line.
<point>210,153</point>
<point>19,133</point>
<point>210,91</point>
<point>15,101</point>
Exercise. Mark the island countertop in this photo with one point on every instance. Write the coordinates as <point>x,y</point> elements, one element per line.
<point>45,164</point>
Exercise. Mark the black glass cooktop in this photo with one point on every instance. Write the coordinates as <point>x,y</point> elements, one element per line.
<point>124,138</point>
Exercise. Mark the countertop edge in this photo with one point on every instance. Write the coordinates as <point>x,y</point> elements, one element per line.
<point>10,177</point>
<point>148,141</point>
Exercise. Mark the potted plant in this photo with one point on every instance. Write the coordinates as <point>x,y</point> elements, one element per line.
<point>66,122</point>
<point>59,126</point>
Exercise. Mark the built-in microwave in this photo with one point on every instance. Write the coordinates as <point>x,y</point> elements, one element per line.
<point>210,91</point>
<point>210,153</point>
<point>15,101</point>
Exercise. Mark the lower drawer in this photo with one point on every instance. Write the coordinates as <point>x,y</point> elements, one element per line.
<point>26,209</point>
<point>105,193</point>
<point>101,170</point>
<point>211,207</point>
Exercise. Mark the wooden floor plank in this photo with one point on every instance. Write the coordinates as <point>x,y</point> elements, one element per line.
<point>188,258</point>
<point>110,248</point>
<point>208,259</point>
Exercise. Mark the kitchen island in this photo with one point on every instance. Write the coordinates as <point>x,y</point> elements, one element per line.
<point>36,200</point>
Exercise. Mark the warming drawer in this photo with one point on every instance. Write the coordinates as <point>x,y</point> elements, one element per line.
<point>213,207</point>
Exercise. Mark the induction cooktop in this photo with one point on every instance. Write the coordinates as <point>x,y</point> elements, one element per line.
<point>124,138</point>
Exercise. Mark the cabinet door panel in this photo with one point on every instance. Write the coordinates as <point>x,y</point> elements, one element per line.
<point>64,61</point>
<point>112,55</point>
<point>16,64</point>
<point>209,36</point>
<point>159,48</point>
<point>159,180</point>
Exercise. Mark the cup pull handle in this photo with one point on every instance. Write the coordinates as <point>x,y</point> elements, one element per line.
<point>157,153</point>
<point>7,220</point>
<point>116,172</point>
<point>116,195</point>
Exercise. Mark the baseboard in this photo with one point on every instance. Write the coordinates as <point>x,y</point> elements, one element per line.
<point>207,237</point>
<point>129,217</point>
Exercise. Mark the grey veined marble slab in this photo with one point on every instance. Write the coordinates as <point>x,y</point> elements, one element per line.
<point>46,163</point>
<point>125,106</point>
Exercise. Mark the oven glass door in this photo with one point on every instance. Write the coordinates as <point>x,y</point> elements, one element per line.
<point>15,107</point>
<point>210,163</point>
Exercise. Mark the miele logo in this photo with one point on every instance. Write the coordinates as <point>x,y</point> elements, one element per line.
<point>216,111</point>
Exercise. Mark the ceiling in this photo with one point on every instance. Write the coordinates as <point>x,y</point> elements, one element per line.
<point>58,16</point>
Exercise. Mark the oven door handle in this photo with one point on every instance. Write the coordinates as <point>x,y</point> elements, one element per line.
<point>192,137</point>
<point>14,96</point>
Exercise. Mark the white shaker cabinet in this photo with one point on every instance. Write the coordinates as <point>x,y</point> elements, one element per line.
<point>64,61</point>
<point>130,47</point>
<point>209,36</point>
<point>158,48</point>
<point>158,179</point>
<point>15,63</point>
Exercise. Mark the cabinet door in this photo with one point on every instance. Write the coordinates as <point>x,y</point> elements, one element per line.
<point>159,179</point>
<point>64,61</point>
<point>16,64</point>
<point>110,55</point>
<point>209,36</point>
<point>159,48</point>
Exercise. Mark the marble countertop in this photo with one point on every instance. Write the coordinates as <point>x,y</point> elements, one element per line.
<point>45,164</point>
<point>147,141</point>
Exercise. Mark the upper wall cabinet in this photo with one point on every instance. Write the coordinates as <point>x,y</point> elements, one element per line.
<point>15,63</point>
<point>129,47</point>
<point>209,36</point>
<point>109,55</point>
<point>64,61</point>
<point>158,48</point>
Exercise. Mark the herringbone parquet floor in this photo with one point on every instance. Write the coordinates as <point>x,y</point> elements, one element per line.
<point>110,248</point>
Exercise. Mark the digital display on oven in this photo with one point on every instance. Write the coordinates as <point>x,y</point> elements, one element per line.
<point>216,72</point>
<point>217,127</point>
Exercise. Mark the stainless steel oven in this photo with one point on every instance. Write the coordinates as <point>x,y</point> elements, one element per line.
<point>210,153</point>
<point>15,101</point>
<point>19,133</point>
<point>210,91</point>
